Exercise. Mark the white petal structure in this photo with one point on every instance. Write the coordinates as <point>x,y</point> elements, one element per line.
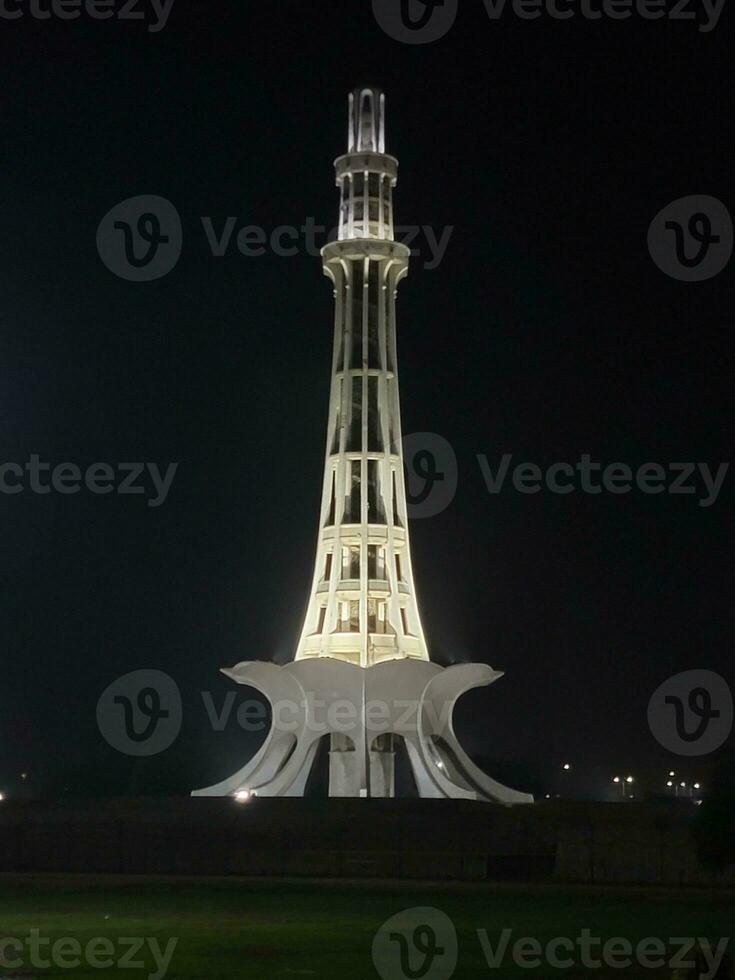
<point>362,646</point>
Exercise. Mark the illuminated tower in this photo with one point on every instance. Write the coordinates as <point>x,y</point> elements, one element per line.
<point>361,677</point>
<point>362,607</point>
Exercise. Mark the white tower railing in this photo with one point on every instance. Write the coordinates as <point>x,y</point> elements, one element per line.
<point>362,607</point>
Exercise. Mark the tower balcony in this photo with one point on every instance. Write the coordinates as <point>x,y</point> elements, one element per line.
<point>352,534</point>
<point>347,586</point>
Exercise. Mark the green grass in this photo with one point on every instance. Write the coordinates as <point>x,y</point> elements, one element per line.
<point>289,929</point>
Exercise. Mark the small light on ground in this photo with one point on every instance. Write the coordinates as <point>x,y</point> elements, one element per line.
<point>243,796</point>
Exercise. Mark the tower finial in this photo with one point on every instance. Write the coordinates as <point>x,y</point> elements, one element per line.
<point>366,174</point>
<point>366,127</point>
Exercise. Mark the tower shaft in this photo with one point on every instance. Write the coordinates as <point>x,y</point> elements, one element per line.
<point>362,606</point>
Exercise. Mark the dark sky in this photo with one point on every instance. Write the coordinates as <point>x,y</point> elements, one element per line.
<point>545,332</point>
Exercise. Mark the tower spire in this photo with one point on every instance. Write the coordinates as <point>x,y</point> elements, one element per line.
<point>366,174</point>
<point>366,125</point>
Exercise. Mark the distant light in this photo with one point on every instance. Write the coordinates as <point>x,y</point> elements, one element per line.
<point>616,779</point>
<point>24,775</point>
<point>629,779</point>
<point>2,797</point>
<point>669,783</point>
<point>697,786</point>
<point>567,766</point>
<point>548,796</point>
<point>672,773</point>
<point>243,796</point>
<point>682,784</point>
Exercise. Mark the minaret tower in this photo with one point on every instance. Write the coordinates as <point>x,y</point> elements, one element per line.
<point>362,607</point>
<point>361,676</point>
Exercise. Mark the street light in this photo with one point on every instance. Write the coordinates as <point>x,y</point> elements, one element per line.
<point>619,781</point>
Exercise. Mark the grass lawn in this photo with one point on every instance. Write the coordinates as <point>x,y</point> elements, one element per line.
<point>242,927</point>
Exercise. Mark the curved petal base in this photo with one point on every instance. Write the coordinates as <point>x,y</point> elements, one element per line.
<point>364,710</point>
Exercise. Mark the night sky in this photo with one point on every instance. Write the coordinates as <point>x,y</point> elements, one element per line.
<point>546,331</point>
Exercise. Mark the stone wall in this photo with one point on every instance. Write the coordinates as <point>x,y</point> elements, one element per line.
<point>439,839</point>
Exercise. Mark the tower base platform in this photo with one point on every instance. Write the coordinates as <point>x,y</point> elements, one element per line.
<point>363,711</point>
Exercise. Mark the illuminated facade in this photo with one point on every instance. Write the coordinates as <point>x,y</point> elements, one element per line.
<point>363,606</point>
<point>361,675</point>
